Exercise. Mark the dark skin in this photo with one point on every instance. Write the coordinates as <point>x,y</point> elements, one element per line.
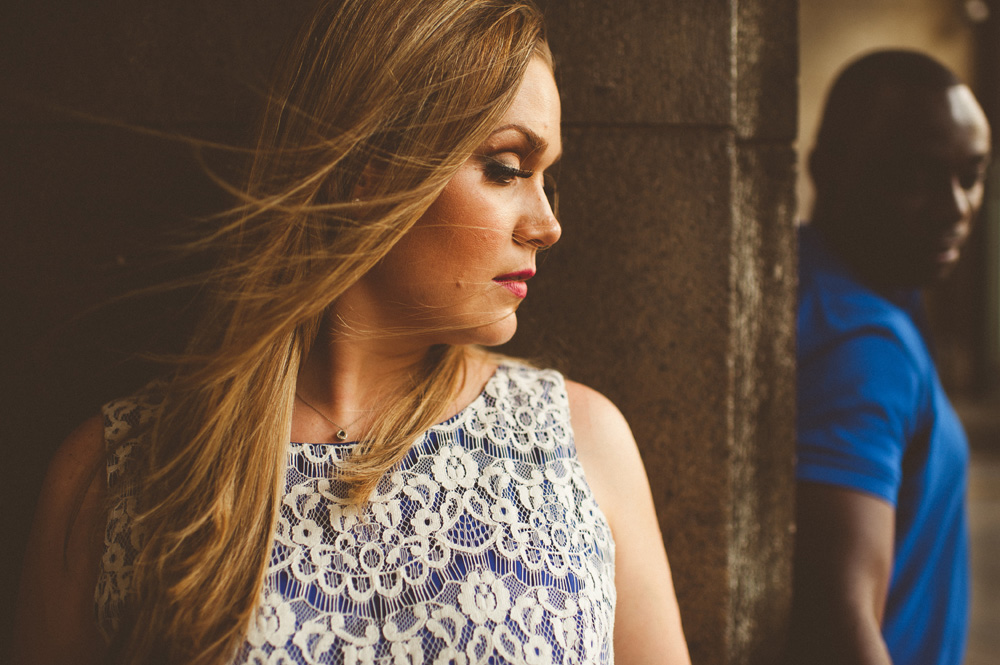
<point>897,214</point>
<point>843,563</point>
<point>900,204</point>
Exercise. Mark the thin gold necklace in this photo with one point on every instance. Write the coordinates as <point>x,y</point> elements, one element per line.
<point>341,432</point>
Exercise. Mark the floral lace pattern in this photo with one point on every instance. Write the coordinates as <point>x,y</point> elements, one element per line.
<point>124,423</point>
<point>485,545</point>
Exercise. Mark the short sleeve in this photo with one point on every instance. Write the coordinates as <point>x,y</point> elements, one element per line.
<point>858,404</point>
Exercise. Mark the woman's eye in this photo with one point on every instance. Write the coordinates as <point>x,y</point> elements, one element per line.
<point>503,173</point>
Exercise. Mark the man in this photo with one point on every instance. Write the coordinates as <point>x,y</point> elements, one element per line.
<point>881,567</point>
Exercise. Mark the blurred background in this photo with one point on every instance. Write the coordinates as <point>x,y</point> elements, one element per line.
<point>965,317</point>
<point>962,34</point>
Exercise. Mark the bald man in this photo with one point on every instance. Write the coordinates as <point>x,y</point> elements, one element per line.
<point>881,565</point>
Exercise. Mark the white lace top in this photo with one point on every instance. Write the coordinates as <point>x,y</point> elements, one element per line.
<point>485,545</point>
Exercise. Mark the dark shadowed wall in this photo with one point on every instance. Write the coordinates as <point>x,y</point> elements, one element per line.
<point>671,291</point>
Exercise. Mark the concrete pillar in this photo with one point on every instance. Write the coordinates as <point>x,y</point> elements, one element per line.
<point>672,289</point>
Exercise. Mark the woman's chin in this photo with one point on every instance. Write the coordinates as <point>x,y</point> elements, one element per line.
<point>493,333</point>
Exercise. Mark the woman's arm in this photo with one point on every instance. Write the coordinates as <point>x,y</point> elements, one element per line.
<point>647,620</point>
<point>55,615</point>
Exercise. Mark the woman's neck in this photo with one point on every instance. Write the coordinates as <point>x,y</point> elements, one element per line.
<point>345,378</point>
<point>349,377</point>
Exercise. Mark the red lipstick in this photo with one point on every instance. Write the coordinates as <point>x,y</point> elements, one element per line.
<point>515,282</point>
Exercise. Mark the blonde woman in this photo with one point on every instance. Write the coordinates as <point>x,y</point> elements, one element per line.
<point>337,472</point>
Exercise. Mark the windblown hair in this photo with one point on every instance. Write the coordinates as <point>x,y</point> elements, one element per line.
<point>383,96</point>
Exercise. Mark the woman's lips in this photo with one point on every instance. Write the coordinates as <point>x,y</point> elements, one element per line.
<point>515,282</point>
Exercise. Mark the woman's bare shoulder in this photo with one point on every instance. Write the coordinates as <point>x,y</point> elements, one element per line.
<point>74,479</point>
<point>595,418</point>
<point>71,501</point>
<point>647,621</point>
<point>605,447</point>
<point>55,618</point>
<point>80,454</point>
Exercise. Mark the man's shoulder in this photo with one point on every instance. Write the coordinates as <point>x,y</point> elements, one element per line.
<point>832,304</point>
<point>829,319</point>
<point>834,308</point>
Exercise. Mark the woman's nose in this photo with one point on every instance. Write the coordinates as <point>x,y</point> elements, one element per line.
<point>540,227</point>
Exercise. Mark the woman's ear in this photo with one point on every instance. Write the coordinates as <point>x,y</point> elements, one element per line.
<point>366,182</point>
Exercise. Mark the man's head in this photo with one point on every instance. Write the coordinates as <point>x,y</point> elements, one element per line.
<point>898,166</point>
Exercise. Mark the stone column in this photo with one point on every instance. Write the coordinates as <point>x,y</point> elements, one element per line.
<point>672,289</point>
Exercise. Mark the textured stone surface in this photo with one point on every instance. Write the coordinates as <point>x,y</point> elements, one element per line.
<point>636,61</point>
<point>767,67</point>
<point>763,398</point>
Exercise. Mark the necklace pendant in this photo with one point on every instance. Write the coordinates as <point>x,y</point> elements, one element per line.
<point>341,435</point>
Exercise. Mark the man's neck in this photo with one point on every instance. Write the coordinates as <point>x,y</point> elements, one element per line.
<point>865,261</point>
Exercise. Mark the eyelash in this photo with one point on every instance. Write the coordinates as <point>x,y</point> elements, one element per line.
<point>502,173</point>
<point>505,174</point>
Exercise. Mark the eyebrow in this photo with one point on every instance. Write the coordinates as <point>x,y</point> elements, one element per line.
<point>534,140</point>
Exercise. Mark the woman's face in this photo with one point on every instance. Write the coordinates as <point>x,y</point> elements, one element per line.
<point>459,275</point>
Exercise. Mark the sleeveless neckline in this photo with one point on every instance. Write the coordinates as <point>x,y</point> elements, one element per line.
<point>485,544</point>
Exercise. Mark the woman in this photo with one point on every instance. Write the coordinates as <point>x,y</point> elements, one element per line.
<point>437,503</point>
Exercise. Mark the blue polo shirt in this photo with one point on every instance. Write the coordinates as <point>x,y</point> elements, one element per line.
<point>873,417</point>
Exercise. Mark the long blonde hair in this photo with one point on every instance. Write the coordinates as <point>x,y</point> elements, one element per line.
<point>403,90</point>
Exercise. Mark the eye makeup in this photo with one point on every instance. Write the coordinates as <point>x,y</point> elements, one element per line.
<point>501,172</point>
